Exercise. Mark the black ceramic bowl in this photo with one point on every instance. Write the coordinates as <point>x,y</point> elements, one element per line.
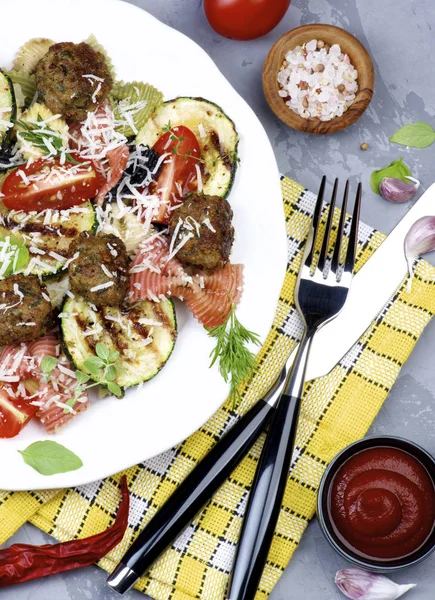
<point>323,499</point>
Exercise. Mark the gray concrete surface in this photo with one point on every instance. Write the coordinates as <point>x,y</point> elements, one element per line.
<point>399,35</point>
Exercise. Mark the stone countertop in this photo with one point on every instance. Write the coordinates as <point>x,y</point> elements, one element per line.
<point>399,37</point>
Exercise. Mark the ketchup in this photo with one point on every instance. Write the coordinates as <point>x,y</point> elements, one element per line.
<point>382,503</point>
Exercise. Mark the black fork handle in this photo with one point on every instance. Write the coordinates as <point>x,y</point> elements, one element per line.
<point>188,499</point>
<point>267,492</point>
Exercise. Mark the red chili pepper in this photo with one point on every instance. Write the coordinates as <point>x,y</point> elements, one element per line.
<point>22,562</point>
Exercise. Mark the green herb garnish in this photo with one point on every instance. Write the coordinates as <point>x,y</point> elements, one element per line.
<point>49,458</point>
<point>48,363</point>
<point>397,170</point>
<point>175,138</point>
<point>102,367</point>
<point>416,135</point>
<point>236,361</point>
<point>44,137</point>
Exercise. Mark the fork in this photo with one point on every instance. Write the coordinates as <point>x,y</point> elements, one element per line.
<point>320,294</point>
<point>211,472</point>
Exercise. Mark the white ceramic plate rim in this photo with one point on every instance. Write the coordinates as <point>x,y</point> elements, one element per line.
<point>109,438</point>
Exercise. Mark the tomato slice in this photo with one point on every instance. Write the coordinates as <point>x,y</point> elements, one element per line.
<point>15,413</point>
<point>178,175</point>
<point>48,184</point>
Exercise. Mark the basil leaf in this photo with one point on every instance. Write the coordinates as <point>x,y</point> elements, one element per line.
<point>396,169</point>
<point>114,388</point>
<point>416,135</point>
<point>102,351</point>
<point>49,458</point>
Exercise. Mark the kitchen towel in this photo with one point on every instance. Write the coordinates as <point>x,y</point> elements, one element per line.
<point>337,410</point>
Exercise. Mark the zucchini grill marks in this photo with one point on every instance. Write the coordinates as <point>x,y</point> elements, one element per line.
<point>144,335</point>
<point>47,235</point>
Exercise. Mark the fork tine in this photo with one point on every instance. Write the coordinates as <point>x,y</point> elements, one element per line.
<point>353,236</point>
<point>327,234</point>
<point>339,239</point>
<point>315,222</point>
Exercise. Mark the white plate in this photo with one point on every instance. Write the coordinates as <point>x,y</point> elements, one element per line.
<point>115,434</point>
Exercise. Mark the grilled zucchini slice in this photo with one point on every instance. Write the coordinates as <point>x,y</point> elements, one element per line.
<point>216,134</point>
<point>126,226</point>
<point>143,333</point>
<point>47,234</point>
<point>8,111</point>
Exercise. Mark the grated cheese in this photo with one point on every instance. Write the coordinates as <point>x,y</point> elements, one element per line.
<point>184,241</point>
<point>202,133</point>
<point>65,370</point>
<point>93,77</point>
<point>207,223</point>
<point>151,322</point>
<point>106,271</point>
<point>199,177</point>
<point>175,234</point>
<point>102,286</point>
<point>24,177</point>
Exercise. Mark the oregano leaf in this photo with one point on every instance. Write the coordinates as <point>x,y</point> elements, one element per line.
<point>102,351</point>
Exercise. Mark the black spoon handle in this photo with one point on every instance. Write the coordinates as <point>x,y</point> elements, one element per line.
<point>193,493</point>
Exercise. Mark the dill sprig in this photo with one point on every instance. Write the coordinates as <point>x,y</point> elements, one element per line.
<point>38,137</point>
<point>236,361</point>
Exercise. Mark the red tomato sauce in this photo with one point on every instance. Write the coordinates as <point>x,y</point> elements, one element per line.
<point>382,503</point>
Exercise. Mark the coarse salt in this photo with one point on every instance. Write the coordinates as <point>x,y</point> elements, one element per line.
<point>318,81</point>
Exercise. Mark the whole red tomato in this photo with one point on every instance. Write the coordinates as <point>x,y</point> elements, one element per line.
<point>245,19</point>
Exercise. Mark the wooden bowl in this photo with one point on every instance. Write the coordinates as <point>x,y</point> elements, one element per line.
<point>330,34</point>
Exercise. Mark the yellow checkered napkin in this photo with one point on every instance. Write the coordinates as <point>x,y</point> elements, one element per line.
<point>337,410</point>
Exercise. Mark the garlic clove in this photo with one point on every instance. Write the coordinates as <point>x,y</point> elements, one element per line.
<point>357,584</point>
<point>419,240</point>
<point>398,191</point>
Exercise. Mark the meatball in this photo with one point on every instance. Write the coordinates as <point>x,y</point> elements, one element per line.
<point>206,220</point>
<point>24,309</point>
<point>73,79</point>
<point>99,273</point>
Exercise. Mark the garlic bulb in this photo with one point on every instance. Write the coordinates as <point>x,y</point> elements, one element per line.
<point>398,191</point>
<point>357,584</point>
<point>419,239</point>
